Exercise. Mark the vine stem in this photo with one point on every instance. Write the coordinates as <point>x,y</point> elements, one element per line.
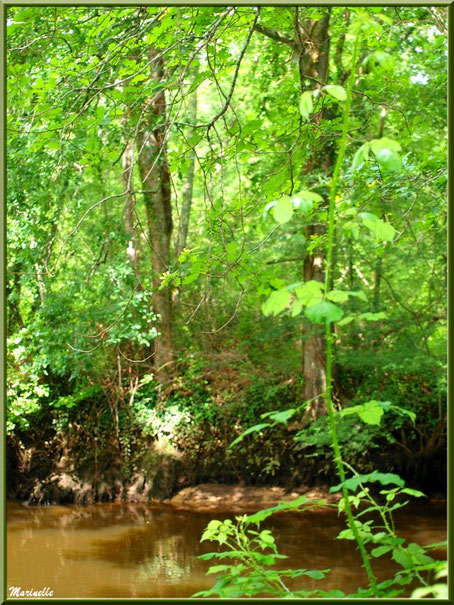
<point>328,334</point>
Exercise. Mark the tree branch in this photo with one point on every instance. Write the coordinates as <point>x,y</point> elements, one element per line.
<point>235,75</point>
<point>274,35</point>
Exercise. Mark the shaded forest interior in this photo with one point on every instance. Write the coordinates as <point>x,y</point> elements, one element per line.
<point>169,177</point>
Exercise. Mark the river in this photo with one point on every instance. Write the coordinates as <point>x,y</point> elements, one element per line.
<point>140,551</point>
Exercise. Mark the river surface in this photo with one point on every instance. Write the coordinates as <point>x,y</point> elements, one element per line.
<point>140,551</point>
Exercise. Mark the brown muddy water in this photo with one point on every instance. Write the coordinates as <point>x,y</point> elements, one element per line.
<point>139,551</point>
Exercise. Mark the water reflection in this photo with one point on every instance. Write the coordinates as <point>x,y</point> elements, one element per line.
<point>122,551</point>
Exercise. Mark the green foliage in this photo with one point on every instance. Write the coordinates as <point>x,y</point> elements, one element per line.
<point>254,555</point>
<point>348,175</point>
<point>306,104</point>
<point>336,91</point>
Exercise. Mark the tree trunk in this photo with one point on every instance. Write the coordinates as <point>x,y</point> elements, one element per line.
<point>377,282</point>
<point>130,207</point>
<point>311,43</point>
<point>312,38</point>
<point>155,178</point>
<point>313,352</point>
<point>189,183</point>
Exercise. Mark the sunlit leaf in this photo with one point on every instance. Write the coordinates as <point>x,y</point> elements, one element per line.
<point>252,429</point>
<point>389,161</point>
<point>360,157</point>
<point>276,302</point>
<point>354,482</point>
<point>383,231</point>
<point>306,104</point>
<point>336,91</point>
<point>324,312</point>
<point>370,412</point>
<point>337,296</point>
<point>282,506</point>
<point>283,210</point>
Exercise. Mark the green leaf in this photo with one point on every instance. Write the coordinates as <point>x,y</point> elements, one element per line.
<point>310,195</point>
<point>380,550</point>
<point>382,231</point>
<point>368,216</point>
<point>358,294</point>
<point>337,296</point>
<point>276,302</point>
<point>264,559</point>
<point>252,429</point>
<point>360,157</point>
<point>370,412</point>
<point>384,143</point>
<point>297,306</point>
<point>280,416</point>
<point>310,293</point>
<point>354,482</point>
<point>214,524</point>
<point>351,229</point>
<point>55,144</point>
<point>388,160</point>
<point>306,104</point>
<point>315,573</point>
<point>387,153</point>
<point>302,204</point>
<point>386,405</point>
<point>259,516</point>
<point>346,320</point>
<point>368,316</point>
<point>338,92</point>
<point>169,277</point>
<point>208,556</point>
<point>413,492</point>
<point>401,557</point>
<point>283,210</point>
<point>324,312</point>
<point>385,60</point>
<point>266,536</point>
<point>219,568</point>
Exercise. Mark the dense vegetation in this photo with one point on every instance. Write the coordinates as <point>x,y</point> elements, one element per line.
<point>169,175</point>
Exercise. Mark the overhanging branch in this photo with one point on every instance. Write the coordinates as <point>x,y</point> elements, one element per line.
<point>274,35</point>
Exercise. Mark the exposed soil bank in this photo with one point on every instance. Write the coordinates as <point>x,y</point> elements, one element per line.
<point>209,497</point>
<point>60,471</point>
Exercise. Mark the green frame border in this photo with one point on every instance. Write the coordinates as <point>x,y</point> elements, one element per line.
<point>125,3</point>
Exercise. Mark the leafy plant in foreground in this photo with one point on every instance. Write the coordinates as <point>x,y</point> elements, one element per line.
<point>253,555</point>
<point>251,577</point>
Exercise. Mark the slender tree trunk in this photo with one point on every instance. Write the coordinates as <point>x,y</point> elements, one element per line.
<point>313,352</point>
<point>312,38</point>
<point>13,296</point>
<point>189,183</point>
<point>377,282</point>
<point>130,206</point>
<point>155,178</point>
<point>311,43</point>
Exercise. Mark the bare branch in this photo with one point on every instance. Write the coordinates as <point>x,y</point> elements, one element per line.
<point>237,69</point>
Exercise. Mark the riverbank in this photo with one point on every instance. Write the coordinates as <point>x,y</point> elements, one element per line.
<point>210,497</point>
